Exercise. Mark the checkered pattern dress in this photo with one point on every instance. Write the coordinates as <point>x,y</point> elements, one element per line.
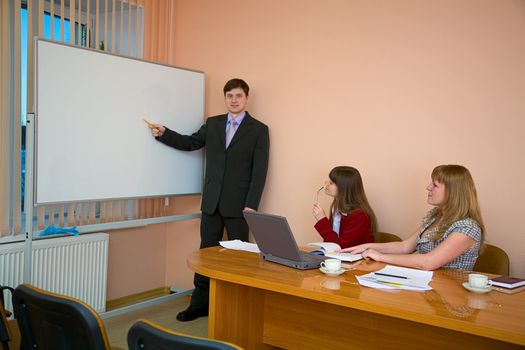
<point>465,226</point>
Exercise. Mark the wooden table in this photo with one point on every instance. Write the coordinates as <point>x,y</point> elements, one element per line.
<point>261,305</point>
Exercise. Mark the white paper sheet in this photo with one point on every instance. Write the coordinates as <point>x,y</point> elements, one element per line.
<point>394,277</point>
<point>344,256</point>
<point>237,244</point>
<point>368,283</point>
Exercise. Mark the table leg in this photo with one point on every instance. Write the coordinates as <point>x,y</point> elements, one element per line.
<point>237,314</point>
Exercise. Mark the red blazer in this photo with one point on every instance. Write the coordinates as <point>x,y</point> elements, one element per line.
<point>355,229</point>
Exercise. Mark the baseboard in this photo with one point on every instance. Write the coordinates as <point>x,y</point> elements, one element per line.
<point>146,303</point>
<point>137,298</point>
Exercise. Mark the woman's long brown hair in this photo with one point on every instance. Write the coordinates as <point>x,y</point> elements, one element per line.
<point>350,194</point>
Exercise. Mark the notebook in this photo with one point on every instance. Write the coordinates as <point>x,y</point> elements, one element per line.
<point>277,243</point>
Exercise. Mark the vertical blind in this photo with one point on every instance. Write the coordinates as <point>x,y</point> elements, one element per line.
<point>10,129</point>
<point>137,28</point>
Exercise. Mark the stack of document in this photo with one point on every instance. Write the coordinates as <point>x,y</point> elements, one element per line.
<point>393,277</point>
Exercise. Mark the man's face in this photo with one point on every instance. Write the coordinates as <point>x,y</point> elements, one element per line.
<point>236,101</point>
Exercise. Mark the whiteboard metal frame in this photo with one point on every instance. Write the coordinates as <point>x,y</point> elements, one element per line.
<point>28,196</point>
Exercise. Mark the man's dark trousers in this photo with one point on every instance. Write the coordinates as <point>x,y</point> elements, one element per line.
<point>212,227</point>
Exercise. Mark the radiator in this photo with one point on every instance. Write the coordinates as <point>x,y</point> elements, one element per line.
<point>74,266</point>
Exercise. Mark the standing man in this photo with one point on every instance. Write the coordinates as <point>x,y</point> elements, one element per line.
<point>237,150</point>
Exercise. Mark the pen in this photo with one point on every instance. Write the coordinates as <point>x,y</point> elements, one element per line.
<point>401,285</point>
<point>150,124</point>
<point>393,283</point>
<point>386,274</point>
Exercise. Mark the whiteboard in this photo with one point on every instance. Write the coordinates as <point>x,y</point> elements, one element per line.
<point>90,140</point>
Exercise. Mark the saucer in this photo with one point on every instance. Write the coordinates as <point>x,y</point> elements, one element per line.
<point>475,289</point>
<point>332,273</point>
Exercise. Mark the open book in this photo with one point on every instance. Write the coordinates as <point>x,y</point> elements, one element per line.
<point>328,249</point>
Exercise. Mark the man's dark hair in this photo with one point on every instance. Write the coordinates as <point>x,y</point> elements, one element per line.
<point>236,83</point>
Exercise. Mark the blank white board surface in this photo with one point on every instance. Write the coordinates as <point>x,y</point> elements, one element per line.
<point>91,140</point>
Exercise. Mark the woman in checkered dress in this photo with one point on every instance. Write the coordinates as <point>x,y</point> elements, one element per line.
<point>450,235</point>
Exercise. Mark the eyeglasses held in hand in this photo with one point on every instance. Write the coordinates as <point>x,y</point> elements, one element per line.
<point>317,197</point>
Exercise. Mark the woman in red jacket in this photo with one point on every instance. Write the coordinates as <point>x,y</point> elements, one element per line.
<point>352,221</point>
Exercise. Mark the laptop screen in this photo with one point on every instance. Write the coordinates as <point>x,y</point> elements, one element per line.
<point>273,235</point>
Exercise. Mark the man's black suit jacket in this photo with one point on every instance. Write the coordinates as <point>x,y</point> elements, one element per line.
<point>235,176</point>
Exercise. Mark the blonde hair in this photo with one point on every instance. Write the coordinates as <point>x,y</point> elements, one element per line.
<point>461,200</point>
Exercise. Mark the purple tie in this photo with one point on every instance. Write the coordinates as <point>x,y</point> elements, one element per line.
<point>232,127</point>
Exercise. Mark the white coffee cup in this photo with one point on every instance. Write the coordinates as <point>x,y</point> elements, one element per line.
<point>477,280</point>
<point>331,265</point>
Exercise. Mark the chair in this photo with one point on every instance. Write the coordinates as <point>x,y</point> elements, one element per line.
<point>146,335</point>
<point>384,237</point>
<point>5,332</point>
<point>50,321</point>
<point>493,260</point>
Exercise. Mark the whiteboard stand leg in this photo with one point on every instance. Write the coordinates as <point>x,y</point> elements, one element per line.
<point>28,196</point>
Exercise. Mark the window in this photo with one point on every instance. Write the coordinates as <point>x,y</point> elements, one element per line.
<point>112,25</point>
<point>23,40</point>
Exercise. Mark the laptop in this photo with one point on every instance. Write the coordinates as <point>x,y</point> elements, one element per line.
<point>277,243</point>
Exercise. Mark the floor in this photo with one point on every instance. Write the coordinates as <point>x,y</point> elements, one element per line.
<point>163,314</point>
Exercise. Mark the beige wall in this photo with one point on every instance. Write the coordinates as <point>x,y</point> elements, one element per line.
<point>137,259</point>
<point>149,257</point>
<point>391,87</point>
<point>182,238</point>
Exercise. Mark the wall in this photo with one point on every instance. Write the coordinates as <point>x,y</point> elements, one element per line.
<point>149,257</point>
<point>129,249</point>
<point>391,87</point>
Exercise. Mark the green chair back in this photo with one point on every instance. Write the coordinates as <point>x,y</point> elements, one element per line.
<point>493,260</point>
<point>384,237</point>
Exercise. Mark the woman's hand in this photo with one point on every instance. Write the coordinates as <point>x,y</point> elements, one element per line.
<point>364,250</point>
<point>358,249</point>
<point>372,254</point>
<point>318,212</point>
